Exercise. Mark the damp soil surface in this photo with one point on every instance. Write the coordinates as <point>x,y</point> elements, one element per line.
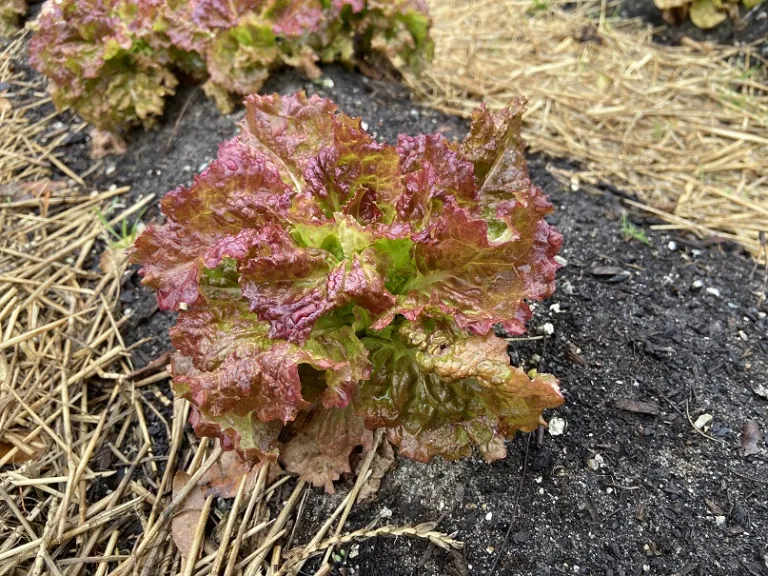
<point>646,339</point>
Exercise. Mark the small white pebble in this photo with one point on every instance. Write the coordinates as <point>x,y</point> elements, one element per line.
<point>672,245</point>
<point>596,463</point>
<point>489,516</point>
<point>109,169</point>
<point>555,308</point>
<point>702,421</point>
<point>562,261</point>
<point>547,329</point>
<point>743,335</point>
<point>697,285</point>
<point>364,125</point>
<point>556,426</point>
<point>713,291</point>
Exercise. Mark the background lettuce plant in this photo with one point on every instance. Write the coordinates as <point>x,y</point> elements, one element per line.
<point>328,285</point>
<point>703,13</point>
<point>115,61</point>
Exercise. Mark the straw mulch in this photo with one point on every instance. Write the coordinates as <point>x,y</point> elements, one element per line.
<point>685,128</point>
<point>96,461</point>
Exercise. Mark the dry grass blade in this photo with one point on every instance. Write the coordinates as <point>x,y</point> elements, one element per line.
<point>685,127</point>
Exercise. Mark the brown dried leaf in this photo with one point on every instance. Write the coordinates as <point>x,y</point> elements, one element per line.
<point>750,436</point>
<point>16,191</point>
<point>105,143</point>
<point>320,450</point>
<point>637,406</point>
<point>185,522</point>
<point>112,258</point>
<point>223,478</point>
<point>20,457</point>
<point>382,462</point>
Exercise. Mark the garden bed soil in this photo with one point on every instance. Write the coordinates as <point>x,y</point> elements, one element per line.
<point>678,324</point>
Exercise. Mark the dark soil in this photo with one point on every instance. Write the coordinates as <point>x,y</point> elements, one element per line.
<point>752,26</point>
<point>678,325</point>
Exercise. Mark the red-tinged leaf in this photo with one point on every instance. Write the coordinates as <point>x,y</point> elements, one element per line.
<point>295,17</point>
<point>434,173</point>
<point>254,441</point>
<point>477,281</point>
<point>291,287</point>
<point>355,5</point>
<point>236,369</point>
<point>238,191</point>
<point>289,130</point>
<point>354,175</point>
<point>495,138</point>
<point>320,450</point>
<point>440,393</point>
<point>496,148</point>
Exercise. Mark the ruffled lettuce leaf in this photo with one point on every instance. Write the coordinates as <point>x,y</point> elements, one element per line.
<point>98,65</point>
<point>440,393</point>
<point>324,280</point>
<point>115,61</point>
<point>240,58</point>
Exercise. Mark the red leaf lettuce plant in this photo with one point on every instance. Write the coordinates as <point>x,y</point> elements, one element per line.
<point>328,285</point>
<point>115,61</point>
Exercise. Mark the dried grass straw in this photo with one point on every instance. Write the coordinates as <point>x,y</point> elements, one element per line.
<point>685,128</point>
<point>85,486</point>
